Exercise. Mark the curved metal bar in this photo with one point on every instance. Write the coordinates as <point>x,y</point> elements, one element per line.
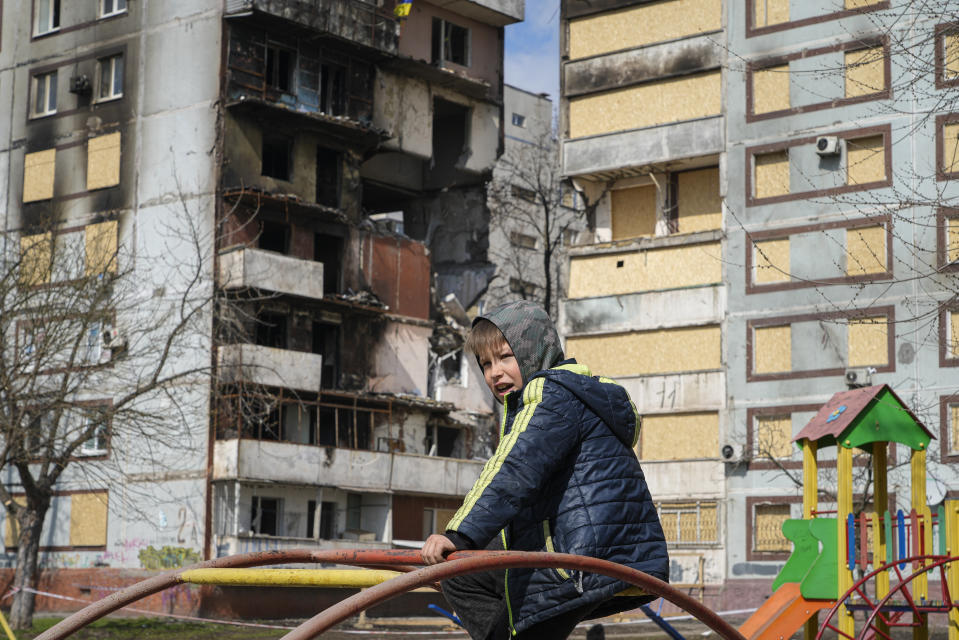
<point>395,558</point>
<point>858,584</point>
<point>910,578</point>
<point>464,562</point>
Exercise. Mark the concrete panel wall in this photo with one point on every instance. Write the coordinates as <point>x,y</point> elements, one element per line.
<point>644,311</point>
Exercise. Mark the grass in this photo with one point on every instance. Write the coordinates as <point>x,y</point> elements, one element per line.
<point>150,629</point>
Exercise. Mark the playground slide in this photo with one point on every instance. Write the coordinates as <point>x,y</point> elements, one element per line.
<point>782,614</point>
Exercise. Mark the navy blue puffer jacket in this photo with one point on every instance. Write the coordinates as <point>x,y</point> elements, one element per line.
<point>565,478</point>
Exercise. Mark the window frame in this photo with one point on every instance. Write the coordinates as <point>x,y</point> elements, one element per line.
<point>40,84</point>
<point>113,12</point>
<point>752,502</point>
<point>53,22</point>
<point>113,94</point>
<point>681,506</point>
<point>519,120</point>
<point>440,49</point>
<point>256,505</point>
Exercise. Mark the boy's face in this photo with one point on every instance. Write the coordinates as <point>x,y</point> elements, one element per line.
<point>501,370</point>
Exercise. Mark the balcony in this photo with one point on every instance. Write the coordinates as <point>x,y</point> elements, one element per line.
<point>248,268</point>
<point>270,367</point>
<point>360,22</point>
<point>269,461</point>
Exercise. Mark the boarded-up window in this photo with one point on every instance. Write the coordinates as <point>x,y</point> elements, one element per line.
<point>88,519</point>
<point>650,352</point>
<point>954,428</point>
<point>771,89</point>
<point>865,250</point>
<point>689,522</point>
<point>661,102</point>
<point>772,349</point>
<point>952,239</point>
<point>771,258</point>
<point>951,55</point>
<point>771,173</point>
<point>38,174</point>
<point>699,205</point>
<point>774,436</point>
<point>868,342</point>
<point>36,259</point>
<point>642,25</point>
<point>633,212</point>
<point>649,270</point>
<point>767,12</point>
<point>865,71</point>
<point>866,158</point>
<point>768,533</point>
<point>11,527</point>
<point>952,336</point>
<point>680,436</point>
<point>103,161</point>
<point>950,147</point>
<point>101,248</point>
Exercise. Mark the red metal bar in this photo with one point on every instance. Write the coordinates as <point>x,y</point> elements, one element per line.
<point>863,540</point>
<point>464,562</point>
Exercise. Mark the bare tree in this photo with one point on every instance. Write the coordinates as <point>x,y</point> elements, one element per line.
<point>533,219</point>
<point>105,363</point>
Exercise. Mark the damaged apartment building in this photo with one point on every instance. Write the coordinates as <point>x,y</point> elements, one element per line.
<point>334,159</point>
<point>753,251</point>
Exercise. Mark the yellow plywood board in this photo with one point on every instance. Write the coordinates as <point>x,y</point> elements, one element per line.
<point>699,204</point>
<point>954,428</point>
<point>950,147</point>
<point>866,160</point>
<point>767,12</point>
<point>88,519</point>
<point>11,528</point>
<point>650,352</point>
<point>774,436</point>
<point>868,342</point>
<point>769,527</point>
<point>633,212</point>
<point>680,436</point>
<point>771,174</point>
<point>103,161</point>
<point>951,59</point>
<point>36,258</point>
<point>953,346</point>
<point>772,349</point>
<point>952,239</point>
<point>771,258</point>
<point>101,248</point>
<point>38,173</point>
<point>645,105</point>
<point>649,270</point>
<point>708,522</point>
<point>865,250</point>
<point>642,25</point>
<point>771,89</point>
<point>865,71</point>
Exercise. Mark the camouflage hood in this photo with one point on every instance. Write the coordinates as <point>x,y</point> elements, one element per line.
<point>530,334</point>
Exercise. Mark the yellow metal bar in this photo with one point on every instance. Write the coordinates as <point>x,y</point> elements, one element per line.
<point>346,578</point>
<point>951,531</point>
<point>847,624</point>
<point>7,630</point>
<point>879,504</point>
<point>810,479</point>
<point>917,467</point>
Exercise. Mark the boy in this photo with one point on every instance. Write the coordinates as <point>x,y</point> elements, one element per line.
<point>564,478</point>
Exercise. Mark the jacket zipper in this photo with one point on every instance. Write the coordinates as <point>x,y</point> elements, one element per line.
<point>549,547</point>
<point>509,607</point>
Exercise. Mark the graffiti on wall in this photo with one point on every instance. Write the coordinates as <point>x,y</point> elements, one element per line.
<point>167,557</point>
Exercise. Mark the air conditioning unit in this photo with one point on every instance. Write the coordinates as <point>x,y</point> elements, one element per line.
<point>732,452</point>
<point>828,146</point>
<point>113,339</point>
<point>81,85</point>
<point>859,377</point>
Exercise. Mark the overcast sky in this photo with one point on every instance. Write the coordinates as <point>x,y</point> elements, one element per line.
<point>532,49</point>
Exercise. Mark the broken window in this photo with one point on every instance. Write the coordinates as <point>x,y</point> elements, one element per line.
<point>279,68</point>
<point>46,17</point>
<point>441,441</point>
<point>44,101</point>
<point>354,511</point>
<point>332,89</point>
<point>110,78</point>
<point>265,516</point>
<point>450,127</point>
<point>277,157</point>
<point>522,193</point>
<point>327,520</point>
<point>327,177</point>
<point>328,249</point>
<point>354,429</point>
<point>271,330</point>
<point>326,342</point>
<point>450,43</point>
<point>112,7</point>
<point>524,288</point>
<point>327,427</point>
<point>522,240</point>
<point>310,517</point>
<point>274,236</point>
